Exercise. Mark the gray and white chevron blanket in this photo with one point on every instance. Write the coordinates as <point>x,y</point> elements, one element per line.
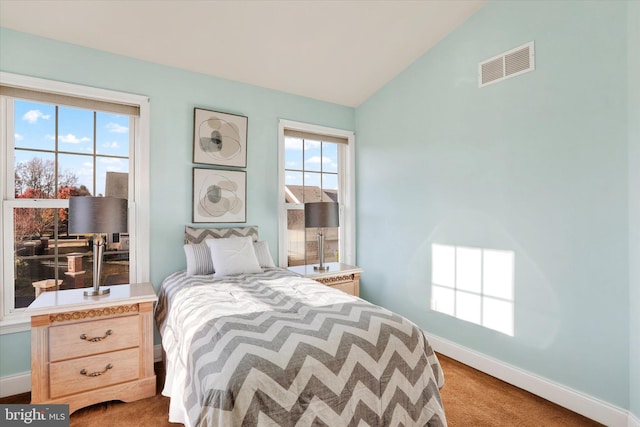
<point>274,349</point>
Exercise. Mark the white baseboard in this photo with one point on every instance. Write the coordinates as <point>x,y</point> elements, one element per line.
<point>559,394</point>
<point>633,420</point>
<point>15,384</point>
<point>11,385</point>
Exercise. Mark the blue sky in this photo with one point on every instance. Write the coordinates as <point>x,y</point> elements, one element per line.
<point>35,129</point>
<point>318,158</point>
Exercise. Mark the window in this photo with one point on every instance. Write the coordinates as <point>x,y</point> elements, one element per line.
<point>316,165</point>
<point>474,284</point>
<point>58,141</point>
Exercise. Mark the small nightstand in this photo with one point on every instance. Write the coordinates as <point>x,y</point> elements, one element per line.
<point>340,276</point>
<point>86,350</point>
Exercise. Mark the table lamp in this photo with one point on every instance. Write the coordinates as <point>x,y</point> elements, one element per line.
<point>321,215</point>
<point>97,216</point>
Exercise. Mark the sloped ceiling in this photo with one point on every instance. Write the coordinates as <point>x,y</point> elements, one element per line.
<point>336,51</point>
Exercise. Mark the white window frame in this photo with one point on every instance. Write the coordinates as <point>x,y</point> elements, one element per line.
<point>139,200</point>
<point>346,189</point>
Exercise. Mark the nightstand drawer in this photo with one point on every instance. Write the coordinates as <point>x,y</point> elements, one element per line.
<point>87,373</point>
<point>86,338</point>
<point>348,287</point>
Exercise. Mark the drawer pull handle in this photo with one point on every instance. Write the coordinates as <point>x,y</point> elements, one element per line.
<point>96,339</point>
<point>96,374</point>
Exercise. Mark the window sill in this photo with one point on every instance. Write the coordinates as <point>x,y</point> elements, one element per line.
<point>14,325</point>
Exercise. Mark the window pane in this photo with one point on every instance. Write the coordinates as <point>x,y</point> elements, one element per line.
<point>34,125</point>
<point>115,266</point>
<point>312,155</point>
<point>44,259</point>
<point>468,269</point>
<point>329,157</point>
<point>498,273</point>
<point>54,157</point>
<point>330,185</point>
<point>312,188</point>
<point>35,257</point>
<point>117,184</point>
<point>293,153</point>
<point>108,166</point>
<point>311,175</point>
<point>331,245</point>
<point>75,171</point>
<point>295,237</point>
<point>112,134</point>
<point>75,130</point>
<point>293,192</point>
<point>443,265</point>
<point>293,178</point>
<point>34,175</point>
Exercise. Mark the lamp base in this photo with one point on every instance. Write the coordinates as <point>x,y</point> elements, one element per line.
<point>97,292</point>
<point>321,268</point>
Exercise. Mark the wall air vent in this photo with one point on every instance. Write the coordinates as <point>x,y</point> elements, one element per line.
<point>508,64</point>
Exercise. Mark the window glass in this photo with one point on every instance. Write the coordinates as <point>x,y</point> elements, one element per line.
<point>293,153</point>
<point>112,177</point>
<point>112,134</point>
<point>35,254</point>
<point>35,175</point>
<point>75,130</point>
<point>330,157</point>
<point>49,167</point>
<point>312,155</point>
<point>35,125</point>
<point>75,171</point>
<point>310,175</point>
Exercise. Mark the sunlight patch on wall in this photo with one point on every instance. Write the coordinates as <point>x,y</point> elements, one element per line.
<point>474,284</point>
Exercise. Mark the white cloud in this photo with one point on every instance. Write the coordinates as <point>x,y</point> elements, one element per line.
<point>112,164</point>
<point>32,116</point>
<point>292,165</point>
<point>113,144</point>
<point>317,160</point>
<point>292,144</point>
<point>116,128</point>
<point>72,139</point>
<point>18,137</point>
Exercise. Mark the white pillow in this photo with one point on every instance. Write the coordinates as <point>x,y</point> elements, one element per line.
<point>198,259</point>
<point>263,254</point>
<point>233,255</point>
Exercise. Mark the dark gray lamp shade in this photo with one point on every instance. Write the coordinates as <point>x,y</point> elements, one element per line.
<point>321,214</point>
<point>97,215</point>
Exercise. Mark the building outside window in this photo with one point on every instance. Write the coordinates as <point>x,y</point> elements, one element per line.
<point>316,166</point>
<point>57,146</point>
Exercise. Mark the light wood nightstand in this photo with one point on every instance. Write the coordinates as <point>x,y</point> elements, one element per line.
<point>86,350</point>
<point>340,276</point>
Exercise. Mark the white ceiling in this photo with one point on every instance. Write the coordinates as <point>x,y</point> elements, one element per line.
<point>336,51</point>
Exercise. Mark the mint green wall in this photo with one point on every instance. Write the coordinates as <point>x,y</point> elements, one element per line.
<point>173,93</point>
<point>634,204</point>
<point>536,164</point>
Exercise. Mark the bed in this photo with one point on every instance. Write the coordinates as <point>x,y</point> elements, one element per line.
<point>263,346</point>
